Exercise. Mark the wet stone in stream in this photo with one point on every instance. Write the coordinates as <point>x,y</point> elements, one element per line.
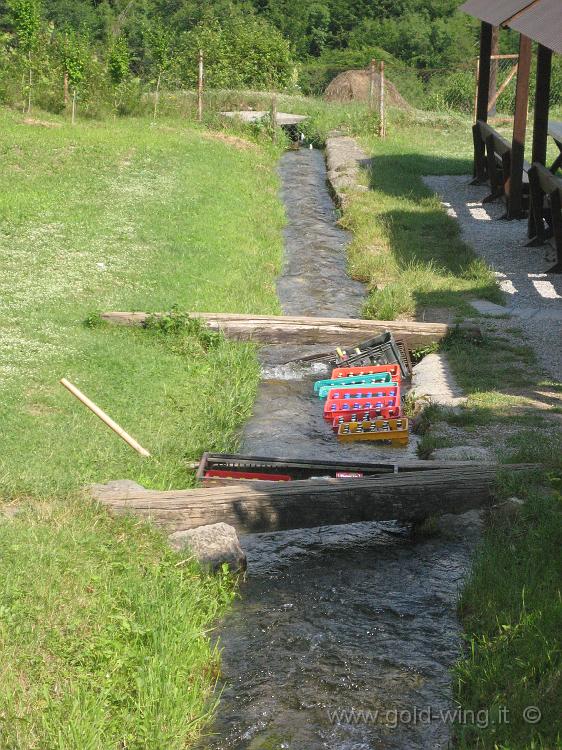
<point>337,618</point>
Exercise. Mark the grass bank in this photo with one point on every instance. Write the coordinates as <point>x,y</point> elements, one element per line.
<point>410,253</point>
<point>104,632</point>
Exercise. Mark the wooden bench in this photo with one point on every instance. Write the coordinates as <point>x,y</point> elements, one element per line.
<point>546,206</point>
<point>492,159</point>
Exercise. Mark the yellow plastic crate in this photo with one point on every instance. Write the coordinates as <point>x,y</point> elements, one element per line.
<point>393,430</point>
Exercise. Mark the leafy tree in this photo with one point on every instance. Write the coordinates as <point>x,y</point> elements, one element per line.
<point>119,60</point>
<point>26,17</point>
<point>317,28</point>
<point>159,42</point>
<point>74,53</point>
<point>242,51</point>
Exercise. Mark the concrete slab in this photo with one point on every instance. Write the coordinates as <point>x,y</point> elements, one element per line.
<point>432,379</point>
<point>484,307</point>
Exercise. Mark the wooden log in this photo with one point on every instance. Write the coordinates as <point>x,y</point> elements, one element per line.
<point>305,330</point>
<point>278,506</point>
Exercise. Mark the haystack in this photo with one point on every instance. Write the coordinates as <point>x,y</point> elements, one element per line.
<point>354,86</point>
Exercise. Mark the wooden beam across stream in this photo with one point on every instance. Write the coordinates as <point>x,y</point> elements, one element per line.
<point>278,506</point>
<point>278,329</point>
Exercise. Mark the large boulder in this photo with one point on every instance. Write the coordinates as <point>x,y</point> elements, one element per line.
<point>212,546</point>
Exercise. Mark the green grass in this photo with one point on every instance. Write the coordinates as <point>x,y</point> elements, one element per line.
<point>405,247</point>
<point>176,216</point>
<point>104,631</point>
<point>511,609</point>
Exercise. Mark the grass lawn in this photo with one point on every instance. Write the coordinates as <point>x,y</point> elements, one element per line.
<point>125,215</point>
<point>104,632</point>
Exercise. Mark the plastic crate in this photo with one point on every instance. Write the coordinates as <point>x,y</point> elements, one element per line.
<point>322,387</point>
<point>226,468</point>
<point>369,392</point>
<point>379,350</point>
<point>387,430</point>
<point>384,412</point>
<point>386,404</point>
<point>347,372</point>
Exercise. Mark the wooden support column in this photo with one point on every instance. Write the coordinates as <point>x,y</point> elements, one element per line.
<point>493,72</point>
<point>486,34</point>
<point>540,127</point>
<point>514,187</point>
<point>482,98</point>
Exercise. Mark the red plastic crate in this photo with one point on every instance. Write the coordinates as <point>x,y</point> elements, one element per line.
<point>346,372</point>
<point>228,474</point>
<point>386,412</point>
<point>343,401</point>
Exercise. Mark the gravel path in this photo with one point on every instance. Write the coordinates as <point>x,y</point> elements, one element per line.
<point>532,296</point>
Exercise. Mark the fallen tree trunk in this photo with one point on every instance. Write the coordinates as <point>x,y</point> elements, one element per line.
<point>303,330</point>
<point>278,506</point>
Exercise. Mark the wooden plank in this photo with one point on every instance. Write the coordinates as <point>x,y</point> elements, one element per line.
<point>278,506</point>
<point>306,330</point>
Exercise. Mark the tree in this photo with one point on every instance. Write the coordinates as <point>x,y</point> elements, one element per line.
<point>119,60</point>
<point>317,28</point>
<point>74,52</point>
<point>25,17</point>
<point>159,42</point>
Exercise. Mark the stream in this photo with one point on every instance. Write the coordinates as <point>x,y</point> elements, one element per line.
<point>345,617</point>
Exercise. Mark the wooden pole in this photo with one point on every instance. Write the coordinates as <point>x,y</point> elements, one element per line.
<point>542,108</point>
<point>514,186</point>
<point>200,87</point>
<point>477,77</point>
<point>65,91</point>
<point>484,72</point>
<point>278,329</point>
<point>73,118</point>
<point>381,102</point>
<point>278,506</point>
<point>274,118</point>
<point>372,69</point>
<point>105,418</point>
<point>492,93</point>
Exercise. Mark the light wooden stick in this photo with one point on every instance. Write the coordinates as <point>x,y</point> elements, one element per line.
<point>104,418</point>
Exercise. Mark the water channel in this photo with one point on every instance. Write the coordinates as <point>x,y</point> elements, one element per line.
<point>338,618</point>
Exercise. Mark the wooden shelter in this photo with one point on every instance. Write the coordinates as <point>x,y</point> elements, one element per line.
<point>536,21</point>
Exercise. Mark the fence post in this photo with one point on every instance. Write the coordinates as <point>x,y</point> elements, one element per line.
<point>200,88</point>
<point>274,118</point>
<point>372,84</point>
<point>382,130</point>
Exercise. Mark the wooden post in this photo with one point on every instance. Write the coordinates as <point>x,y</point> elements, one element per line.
<point>274,118</point>
<point>484,72</point>
<point>372,69</point>
<point>493,72</point>
<point>477,78</point>
<point>514,186</point>
<point>65,90</point>
<point>200,88</point>
<point>73,119</point>
<point>105,418</point>
<point>542,108</point>
<point>381,102</point>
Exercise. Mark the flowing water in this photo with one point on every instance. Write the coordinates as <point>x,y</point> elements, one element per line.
<point>344,617</point>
